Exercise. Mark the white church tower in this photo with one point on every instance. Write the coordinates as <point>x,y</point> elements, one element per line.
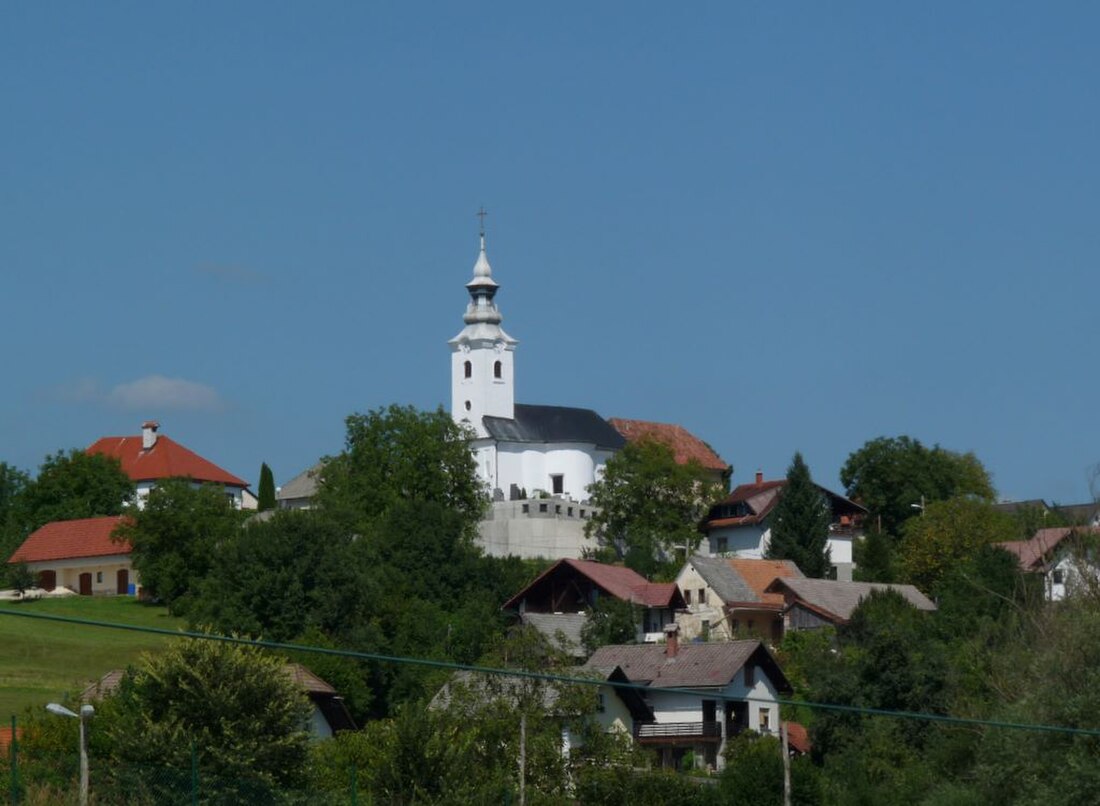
<point>482,378</point>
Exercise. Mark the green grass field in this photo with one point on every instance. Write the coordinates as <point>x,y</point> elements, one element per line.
<point>42,661</point>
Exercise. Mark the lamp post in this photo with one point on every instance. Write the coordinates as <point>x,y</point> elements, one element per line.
<point>86,713</point>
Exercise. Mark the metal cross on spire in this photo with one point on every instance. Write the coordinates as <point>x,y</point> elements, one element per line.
<point>481,215</point>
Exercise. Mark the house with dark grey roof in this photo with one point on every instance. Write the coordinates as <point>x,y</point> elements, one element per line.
<point>701,694</point>
<point>813,603</point>
<point>727,598</point>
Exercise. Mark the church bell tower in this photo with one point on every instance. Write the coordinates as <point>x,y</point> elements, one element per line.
<point>482,378</point>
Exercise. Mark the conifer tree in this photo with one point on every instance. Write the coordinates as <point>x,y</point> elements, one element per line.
<point>800,523</point>
<point>266,492</point>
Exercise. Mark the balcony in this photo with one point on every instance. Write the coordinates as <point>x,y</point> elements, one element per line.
<point>671,731</point>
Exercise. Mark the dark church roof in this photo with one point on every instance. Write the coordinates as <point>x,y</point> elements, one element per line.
<point>554,424</point>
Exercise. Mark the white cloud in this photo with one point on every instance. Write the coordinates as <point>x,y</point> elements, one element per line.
<point>161,393</point>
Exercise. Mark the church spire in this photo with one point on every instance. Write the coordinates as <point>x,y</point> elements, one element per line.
<point>482,288</point>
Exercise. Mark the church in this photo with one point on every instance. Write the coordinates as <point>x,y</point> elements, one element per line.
<point>536,461</point>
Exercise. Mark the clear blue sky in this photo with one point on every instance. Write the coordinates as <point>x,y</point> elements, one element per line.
<point>785,226</point>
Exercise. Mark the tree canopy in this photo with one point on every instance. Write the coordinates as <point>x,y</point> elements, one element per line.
<point>175,537</point>
<point>800,523</point>
<point>401,454</point>
<point>76,485</point>
<point>949,532</point>
<point>889,475</point>
<point>649,506</point>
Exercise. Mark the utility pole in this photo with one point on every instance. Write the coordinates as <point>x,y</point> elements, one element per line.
<point>523,759</point>
<point>785,750</point>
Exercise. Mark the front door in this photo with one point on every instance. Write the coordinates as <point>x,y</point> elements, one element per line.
<point>47,580</point>
<point>85,584</point>
<point>123,577</point>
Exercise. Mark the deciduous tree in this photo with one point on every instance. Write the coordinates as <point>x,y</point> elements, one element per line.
<point>649,506</point>
<point>947,533</point>
<point>76,485</point>
<point>175,536</point>
<point>888,475</point>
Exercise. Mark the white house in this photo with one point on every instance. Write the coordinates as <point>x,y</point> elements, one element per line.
<point>81,556</point>
<point>701,694</point>
<point>740,524</point>
<point>1064,556</point>
<point>153,457</point>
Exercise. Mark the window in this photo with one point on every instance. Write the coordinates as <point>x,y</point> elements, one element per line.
<point>765,720</point>
<point>526,508</point>
<point>750,675</point>
<point>498,370</point>
<point>557,483</point>
<point>468,369</point>
<point>705,629</point>
<point>98,576</point>
<point>687,597</point>
<point>542,508</point>
<point>735,625</point>
<point>467,405</point>
<point>1059,576</point>
<point>702,595</point>
<point>721,545</point>
<point>570,512</point>
<point>582,513</point>
<point>601,703</point>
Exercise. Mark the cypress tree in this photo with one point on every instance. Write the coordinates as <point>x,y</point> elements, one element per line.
<point>800,523</point>
<point>267,488</point>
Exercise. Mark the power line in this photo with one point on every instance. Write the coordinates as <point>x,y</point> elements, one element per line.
<point>555,678</point>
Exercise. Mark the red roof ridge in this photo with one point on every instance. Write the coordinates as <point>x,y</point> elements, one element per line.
<point>65,540</point>
<point>684,444</point>
<point>166,459</point>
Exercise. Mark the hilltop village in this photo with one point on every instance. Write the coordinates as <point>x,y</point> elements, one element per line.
<point>717,624</point>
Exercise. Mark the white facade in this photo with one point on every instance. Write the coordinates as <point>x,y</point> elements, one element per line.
<point>103,571</point>
<point>233,493</point>
<point>562,469</point>
<point>482,365</point>
<point>752,541</point>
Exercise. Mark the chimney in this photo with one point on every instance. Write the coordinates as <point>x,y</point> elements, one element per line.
<point>759,477</point>
<point>149,434</point>
<point>672,640</point>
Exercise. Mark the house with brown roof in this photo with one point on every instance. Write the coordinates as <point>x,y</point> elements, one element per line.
<point>727,598</point>
<point>812,603</point>
<point>81,556</point>
<point>1064,556</point>
<point>570,587</point>
<point>701,694</point>
<point>328,714</point>
<point>740,524</point>
<point>152,457</point>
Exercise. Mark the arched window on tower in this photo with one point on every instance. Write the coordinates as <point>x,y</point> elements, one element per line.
<point>469,369</point>
<point>498,370</point>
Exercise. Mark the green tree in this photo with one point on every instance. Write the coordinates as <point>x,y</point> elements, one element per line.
<point>649,506</point>
<point>13,482</point>
<point>75,485</point>
<point>888,475</point>
<point>402,454</point>
<point>266,489</point>
<point>946,533</point>
<point>875,556</point>
<point>20,578</point>
<point>800,523</point>
<point>175,536</point>
<point>244,716</point>
<point>610,621</point>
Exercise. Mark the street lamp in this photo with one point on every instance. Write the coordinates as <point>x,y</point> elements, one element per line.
<point>86,713</point>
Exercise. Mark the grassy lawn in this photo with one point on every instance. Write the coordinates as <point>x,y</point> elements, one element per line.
<point>42,661</point>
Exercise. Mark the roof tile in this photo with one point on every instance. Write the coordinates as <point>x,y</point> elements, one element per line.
<point>166,459</point>
<point>686,447</point>
<point>64,540</point>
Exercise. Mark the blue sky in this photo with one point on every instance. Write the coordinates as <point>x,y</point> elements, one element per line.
<point>785,226</point>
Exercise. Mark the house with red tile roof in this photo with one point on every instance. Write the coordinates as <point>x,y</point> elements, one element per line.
<point>727,598</point>
<point>151,457</point>
<point>740,524</point>
<point>571,587</point>
<point>81,556</point>
<point>1061,555</point>
<point>685,446</point>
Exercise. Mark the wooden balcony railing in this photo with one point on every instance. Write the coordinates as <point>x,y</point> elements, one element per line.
<point>661,730</point>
